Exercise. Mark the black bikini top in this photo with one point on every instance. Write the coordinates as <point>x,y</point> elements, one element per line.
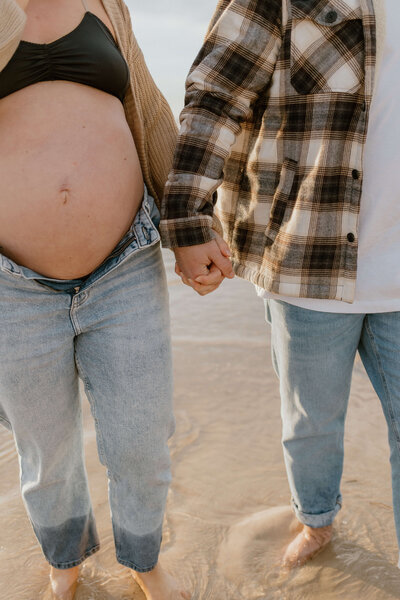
<point>87,55</point>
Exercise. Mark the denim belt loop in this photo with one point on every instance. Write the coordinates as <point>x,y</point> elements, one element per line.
<point>9,266</point>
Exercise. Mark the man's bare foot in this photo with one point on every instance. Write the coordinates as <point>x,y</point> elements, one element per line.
<point>159,585</point>
<point>305,545</point>
<point>63,583</point>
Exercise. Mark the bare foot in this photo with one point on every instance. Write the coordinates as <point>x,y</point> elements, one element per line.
<point>159,585</point>
<point>306,544</point>
<point>63,583</point>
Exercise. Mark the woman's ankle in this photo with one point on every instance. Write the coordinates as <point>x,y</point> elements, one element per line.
<point>63,582</point>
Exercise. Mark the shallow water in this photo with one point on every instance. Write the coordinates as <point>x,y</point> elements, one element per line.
<point>228,517</point>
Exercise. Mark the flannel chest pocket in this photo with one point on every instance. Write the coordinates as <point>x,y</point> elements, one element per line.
<point>327,46</point>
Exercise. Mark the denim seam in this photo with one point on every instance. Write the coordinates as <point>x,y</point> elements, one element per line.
<point>99,433</point>
<point>74,563</point>
<point>131,565</point>
<point>12,273</point>
<point>73,318</point>
<point>384,383</point>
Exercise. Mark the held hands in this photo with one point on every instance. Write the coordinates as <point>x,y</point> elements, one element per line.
<point>204,267</point>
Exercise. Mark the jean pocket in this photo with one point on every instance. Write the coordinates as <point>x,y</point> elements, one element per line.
<point>327,52</point>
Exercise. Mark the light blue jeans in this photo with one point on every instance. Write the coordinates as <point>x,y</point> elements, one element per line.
<point>113,333</point>
<point>313,354</point>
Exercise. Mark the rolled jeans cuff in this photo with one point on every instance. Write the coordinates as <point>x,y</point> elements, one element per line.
<point>317,520</point>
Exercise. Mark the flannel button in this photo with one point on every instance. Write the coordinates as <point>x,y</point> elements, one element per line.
<point>351,237</point>
<point>331,16</point>
<point>355,174</point>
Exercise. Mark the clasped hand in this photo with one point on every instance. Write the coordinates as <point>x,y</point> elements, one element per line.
<point>205,266</point>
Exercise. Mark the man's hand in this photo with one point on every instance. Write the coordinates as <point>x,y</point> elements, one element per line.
<point>204,267</point>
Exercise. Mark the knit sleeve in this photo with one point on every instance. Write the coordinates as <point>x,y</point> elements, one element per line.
<point>160,128</point>
<point>12,23</point>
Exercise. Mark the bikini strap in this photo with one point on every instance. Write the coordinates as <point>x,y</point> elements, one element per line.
<point>85,6</point>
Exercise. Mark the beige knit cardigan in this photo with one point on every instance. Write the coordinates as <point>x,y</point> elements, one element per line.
<point>147,112</point>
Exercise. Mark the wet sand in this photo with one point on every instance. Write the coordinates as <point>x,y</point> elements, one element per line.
<point>227,516</point>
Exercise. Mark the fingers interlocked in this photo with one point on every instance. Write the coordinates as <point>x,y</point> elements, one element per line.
<point>204,267</point>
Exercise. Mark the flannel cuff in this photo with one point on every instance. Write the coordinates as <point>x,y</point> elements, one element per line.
<point>188,231</point>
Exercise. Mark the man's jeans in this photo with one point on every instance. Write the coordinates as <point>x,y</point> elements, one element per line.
<point>313,354</point>
<point>113,333</point>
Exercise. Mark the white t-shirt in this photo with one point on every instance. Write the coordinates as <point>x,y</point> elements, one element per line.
<point>378,274</point>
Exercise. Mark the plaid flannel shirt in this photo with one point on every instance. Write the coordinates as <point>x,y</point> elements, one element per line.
<point>276,114</point>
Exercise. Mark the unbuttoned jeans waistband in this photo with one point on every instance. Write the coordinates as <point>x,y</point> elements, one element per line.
<point>142,233</point>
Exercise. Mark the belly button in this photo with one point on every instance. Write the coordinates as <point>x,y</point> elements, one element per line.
<point>65,192</point>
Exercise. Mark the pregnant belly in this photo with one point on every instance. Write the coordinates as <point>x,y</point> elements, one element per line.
<point>70,182</point>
